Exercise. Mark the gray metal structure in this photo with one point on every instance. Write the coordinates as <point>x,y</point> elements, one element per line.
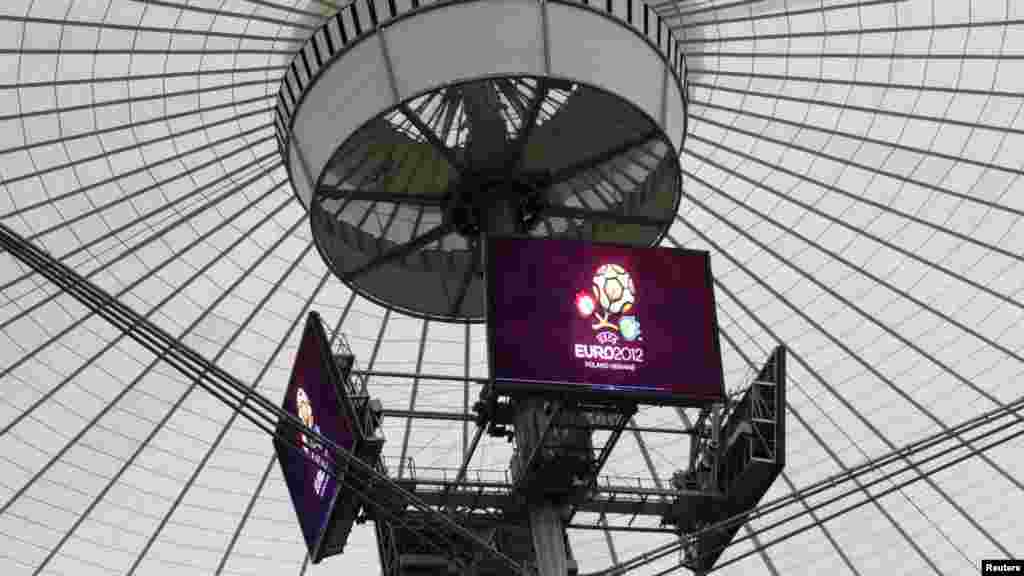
<point>853,166</point>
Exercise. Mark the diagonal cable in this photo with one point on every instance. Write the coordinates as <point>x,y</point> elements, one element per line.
<point>25,358</point>
<point>181,399</point>
<point>221,384</point>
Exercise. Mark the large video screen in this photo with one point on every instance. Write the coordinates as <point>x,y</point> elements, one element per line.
<point>596,318</point>
<point>313,397</point>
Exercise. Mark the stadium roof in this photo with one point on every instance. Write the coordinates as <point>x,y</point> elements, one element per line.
<point>854,168</point>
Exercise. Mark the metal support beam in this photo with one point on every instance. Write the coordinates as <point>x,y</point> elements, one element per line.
<point>411,375</point>
<point>335,193</point>
<point>470,417</point>
<point>400,251</point>
<point>461,475</point>
<point>552,210</point>
<point>465,390</point>
<point>571,171</point>
<point>412,399</point>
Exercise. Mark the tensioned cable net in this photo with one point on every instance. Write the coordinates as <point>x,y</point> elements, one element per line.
<point>854,169</point>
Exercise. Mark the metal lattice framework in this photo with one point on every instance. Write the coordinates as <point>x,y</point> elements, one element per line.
<point>854,168</point>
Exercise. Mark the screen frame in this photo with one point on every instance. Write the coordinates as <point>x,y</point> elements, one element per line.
<point>313,322</point>
<point>589,390</point>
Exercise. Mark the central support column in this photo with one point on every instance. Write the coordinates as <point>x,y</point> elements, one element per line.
<point>546,526</point>
<point>488,144</point>
<point>499,215</point>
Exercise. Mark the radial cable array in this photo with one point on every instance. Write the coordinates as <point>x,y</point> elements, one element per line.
<point>265,415</point>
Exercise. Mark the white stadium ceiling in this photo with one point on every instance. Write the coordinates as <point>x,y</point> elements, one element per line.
<point>854,168</point>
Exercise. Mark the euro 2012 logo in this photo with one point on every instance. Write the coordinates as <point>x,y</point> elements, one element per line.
<point>614,293</point>
<point>312,448</point>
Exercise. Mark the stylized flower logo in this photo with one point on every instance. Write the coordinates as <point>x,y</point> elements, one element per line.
<point>630,328</point>
<point>584,304</point>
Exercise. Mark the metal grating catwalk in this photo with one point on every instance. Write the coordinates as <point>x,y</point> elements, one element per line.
<point>854,168</point>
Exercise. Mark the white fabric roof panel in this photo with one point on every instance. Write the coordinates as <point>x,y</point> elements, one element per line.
<point>853,167</point>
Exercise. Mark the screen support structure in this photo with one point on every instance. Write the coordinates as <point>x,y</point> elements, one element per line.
<point>716,442</point>
<point>554,462</point>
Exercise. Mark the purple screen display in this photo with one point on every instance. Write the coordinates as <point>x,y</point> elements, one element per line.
<point>313,399</point>
<point>603,317</point>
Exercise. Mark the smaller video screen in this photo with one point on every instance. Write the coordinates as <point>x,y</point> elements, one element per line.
<point>315,397</point>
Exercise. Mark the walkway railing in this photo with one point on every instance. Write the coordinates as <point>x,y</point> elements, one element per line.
<point>498,480</point>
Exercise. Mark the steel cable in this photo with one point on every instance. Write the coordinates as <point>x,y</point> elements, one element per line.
<point>219,383</point>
